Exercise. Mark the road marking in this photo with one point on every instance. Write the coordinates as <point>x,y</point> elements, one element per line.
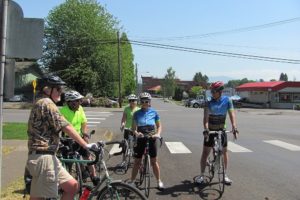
<point>115,149</point>
<point>177,147</point>
<point>93,122</point>
<point>88,118</point>
<point>237,148</point>
<point>91,125</point>
<point>284,145</point>
<point>95,112</point>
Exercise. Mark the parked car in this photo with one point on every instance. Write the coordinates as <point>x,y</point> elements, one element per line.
<point>187,102</point>
<point>199,102</point>
<point>17,98</point>
<point>237,101</point>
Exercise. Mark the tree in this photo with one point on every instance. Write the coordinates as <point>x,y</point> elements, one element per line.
<point>195,91</point>
<point>128,69</point>
<point>169,83</point>
<point>80,46</point>
<point>283,77</point>
<point>236,83</point>
<point>200,79</point>
<point>178,94</point>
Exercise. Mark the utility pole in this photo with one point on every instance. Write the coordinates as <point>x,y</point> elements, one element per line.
<point>120,72</point>
<point>4,8</point>
<point>136,79</point>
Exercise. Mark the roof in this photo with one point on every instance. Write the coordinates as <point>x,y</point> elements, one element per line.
<point>266,86</point>
<point>155,88</point>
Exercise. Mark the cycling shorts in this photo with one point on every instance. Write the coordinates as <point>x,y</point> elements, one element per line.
<point>139,149</point>
<point>210,142</point>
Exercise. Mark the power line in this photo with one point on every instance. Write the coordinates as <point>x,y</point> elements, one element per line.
<point>244,29</point>
<point>218,53</point>
<point>191,50</point>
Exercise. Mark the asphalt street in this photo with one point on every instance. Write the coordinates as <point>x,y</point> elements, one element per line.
<point>264,165</point>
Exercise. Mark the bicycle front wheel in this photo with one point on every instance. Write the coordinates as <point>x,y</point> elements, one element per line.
<point>120,190</point>
<point>221,173</point>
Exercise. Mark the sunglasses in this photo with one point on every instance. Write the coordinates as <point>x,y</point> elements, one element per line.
<point>145,101</point>
<point>132,100</point>
<point>214,91</point>
<point>58,89</point>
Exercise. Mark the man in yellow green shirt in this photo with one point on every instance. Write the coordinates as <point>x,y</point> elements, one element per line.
<point>74,113</point>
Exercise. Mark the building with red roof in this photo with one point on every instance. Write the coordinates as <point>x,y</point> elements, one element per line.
<point>276,94</point>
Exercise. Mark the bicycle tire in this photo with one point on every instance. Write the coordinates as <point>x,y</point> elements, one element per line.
<point>142,173</point>
<point>221,173</point>
<point>147,176</point>
<point>211,167</point>
<point>120,190</point>
<point>75,170</point>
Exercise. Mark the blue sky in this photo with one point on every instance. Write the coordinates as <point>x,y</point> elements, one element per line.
<point>160,21</point>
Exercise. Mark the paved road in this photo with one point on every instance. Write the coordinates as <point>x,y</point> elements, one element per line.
<point>269,169</point>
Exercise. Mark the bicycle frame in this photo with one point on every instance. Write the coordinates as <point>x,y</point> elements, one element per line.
<point>217,162</point>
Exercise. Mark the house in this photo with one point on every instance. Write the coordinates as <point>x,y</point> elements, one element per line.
<point>277,94</point>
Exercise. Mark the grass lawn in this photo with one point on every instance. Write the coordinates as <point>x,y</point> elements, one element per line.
<point>15,131</point>
<point>14,191</point>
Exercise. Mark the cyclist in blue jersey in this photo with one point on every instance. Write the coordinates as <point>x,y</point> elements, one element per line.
<point>214,118</point>
<point>146,121</point>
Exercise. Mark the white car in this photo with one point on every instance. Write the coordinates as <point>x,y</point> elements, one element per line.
<point>16,98</point>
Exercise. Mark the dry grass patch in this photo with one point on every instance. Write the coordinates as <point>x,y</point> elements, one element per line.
<point>7,150</point>
<point>14,191</point>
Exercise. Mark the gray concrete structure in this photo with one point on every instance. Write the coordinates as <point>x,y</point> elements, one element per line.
<point>24,35</point>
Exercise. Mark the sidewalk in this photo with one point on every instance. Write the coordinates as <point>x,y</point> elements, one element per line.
<point>13,163</point>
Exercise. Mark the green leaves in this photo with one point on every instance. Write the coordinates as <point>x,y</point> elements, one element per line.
<point>81,47</point>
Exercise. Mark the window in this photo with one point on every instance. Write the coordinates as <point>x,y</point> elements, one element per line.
<point>296,97</point>
<point>285,97</point>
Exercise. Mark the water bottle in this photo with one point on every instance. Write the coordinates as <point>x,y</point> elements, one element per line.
<point>85,194</point>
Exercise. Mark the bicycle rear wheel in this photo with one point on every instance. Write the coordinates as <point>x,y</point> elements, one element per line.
<point>147,175</point>
<point>120,191</point>
<point>221,173</point>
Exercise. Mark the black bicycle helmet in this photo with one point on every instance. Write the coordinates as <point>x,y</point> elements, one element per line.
<point>50,80</point>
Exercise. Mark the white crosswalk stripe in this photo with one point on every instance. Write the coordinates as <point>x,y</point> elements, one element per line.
<point>177,148</point>
<point>237,148</point>
<point>284,145</point>
<point>94,118</point>
<point>115,149</point>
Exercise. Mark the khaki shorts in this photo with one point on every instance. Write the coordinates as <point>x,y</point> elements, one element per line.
<point>47,173</point>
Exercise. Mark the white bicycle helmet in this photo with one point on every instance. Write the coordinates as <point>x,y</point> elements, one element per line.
<point>145,95</point>
<point>72,95</point>
<point>132,97</point>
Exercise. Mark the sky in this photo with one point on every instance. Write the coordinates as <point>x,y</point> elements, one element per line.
<point>190,24</point>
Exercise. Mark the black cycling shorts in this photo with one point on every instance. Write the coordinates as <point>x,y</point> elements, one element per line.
<point>139,149</point>
<point>210,142</point>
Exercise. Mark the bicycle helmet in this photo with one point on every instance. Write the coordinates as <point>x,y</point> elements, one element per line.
<point>217,86</point>
<point>145,95</point>
<point>50,80</point>
<point>72,96</point>
<point>132,97</point>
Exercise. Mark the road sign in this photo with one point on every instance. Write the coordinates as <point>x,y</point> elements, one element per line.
<point>34,84</point>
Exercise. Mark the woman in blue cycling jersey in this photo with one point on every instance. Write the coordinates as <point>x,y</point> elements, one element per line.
<point>146,121</point>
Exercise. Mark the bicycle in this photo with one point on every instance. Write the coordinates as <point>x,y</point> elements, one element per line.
<point>215,161</point>
<point>127,151</point>
<point>144,171</point>
<point>113,189</point>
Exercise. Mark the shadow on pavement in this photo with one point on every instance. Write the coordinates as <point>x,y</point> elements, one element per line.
<point>188,187</point>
